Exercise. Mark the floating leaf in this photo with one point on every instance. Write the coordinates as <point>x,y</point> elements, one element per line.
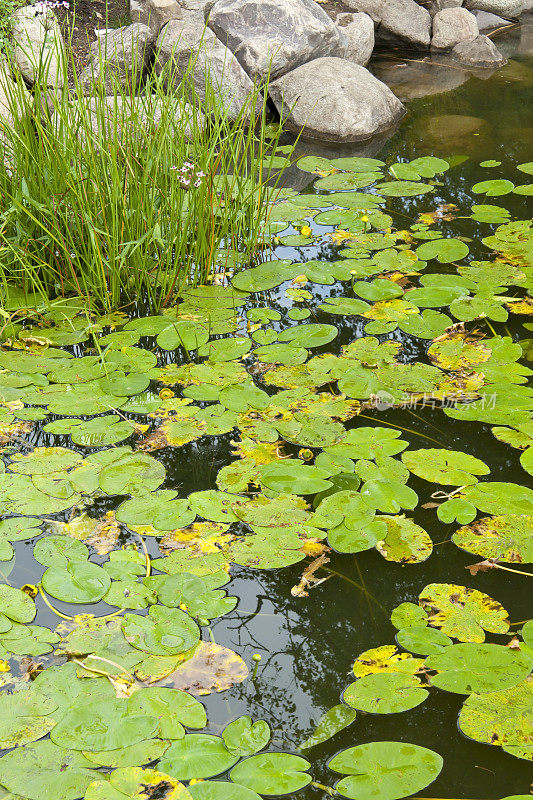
<point>507,538</point>
<point>77,582</point>
<point>211,668</point>
<point>272,773</point>
<point>221,790</point>
<point>131,783</point>
<point>494,188</point>
<point>385,693</point>
<point>444,250</point>
<point>16,605</point>
<point>468,668</point>
<point>25,718</point>
<point>43,771</point>
<point>422,640</point>
<point>197,756</point>
<point>334,720</point>
<point>463,613</point>
<point>445,466</point>
<point>385,770</point>
<point>404,541</point>
<point>501,718</point>
<point>309,334</point>
<point>243,737</point>
<point>164,632</point>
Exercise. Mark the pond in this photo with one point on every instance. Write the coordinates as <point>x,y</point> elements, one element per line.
<point>439,375</point>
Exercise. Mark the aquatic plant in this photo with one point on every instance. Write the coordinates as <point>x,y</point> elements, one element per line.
<point>94,203</point>
<point>320,467</point>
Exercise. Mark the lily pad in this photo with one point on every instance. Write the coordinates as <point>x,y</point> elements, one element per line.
<point>131,783</point>
<point>197,756</point>
<point>385,693</point>
<point>501,718</point>
<point>44,771</point>
<point>445,466</point>
<point>385,770</point>
<point>272,773</point>
<point>334,720</point>
<point>463,613</point>
<point>507,538</point>
<point>468,668</point>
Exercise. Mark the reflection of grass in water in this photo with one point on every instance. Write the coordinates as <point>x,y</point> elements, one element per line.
<point>131,197</point>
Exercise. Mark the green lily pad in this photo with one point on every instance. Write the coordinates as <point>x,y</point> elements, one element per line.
<point>226,349</point>
<point>25,718</point>
<point>385,770</point>
<point>243,737</point>
<point>16,605</point>
<point>140,753</point>
<point>221,790</point>
<point>44,771</point>
<point>468,668</point>
<point>494,188</point>
<point>445,466</point>
<point>291,476</point>
<point>444,250</point>
<point>402,188</point>
<point>132,473</point>
<point>172,707</point>
<point>334,720</point>
<point>76,582</point>
<point>197,756</point>
<point>404,541</point>
<point>385,693</point>
<point>272,773</point>
<point>164,632</point>
<point>103,727</point>
<point>309,335</point>
<point>422,640</point>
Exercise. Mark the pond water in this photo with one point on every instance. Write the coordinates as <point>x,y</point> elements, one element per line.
<point>308,644</point>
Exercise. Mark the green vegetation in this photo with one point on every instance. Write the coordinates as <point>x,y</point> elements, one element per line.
<point>319,469</point>
<point>131,198</point>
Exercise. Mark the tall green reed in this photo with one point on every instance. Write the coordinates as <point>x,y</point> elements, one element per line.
<point>94,198</point>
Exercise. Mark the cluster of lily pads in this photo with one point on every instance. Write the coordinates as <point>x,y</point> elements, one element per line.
<point>88,401</point>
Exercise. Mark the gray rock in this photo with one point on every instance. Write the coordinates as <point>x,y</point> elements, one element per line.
<point>155,13</point>
<point>489,22</point>
<point>503,8</point>
<point>451,26</point>
<point>193,5</point>
<point>269,37</point>
<point>335,101</point>
<point>185,48</point>
<point>119,55</point>
<point>357,32</point>
<point>39,49</point>
<point>397,19</point>
<point>437,5</point>
<point>480,52</point>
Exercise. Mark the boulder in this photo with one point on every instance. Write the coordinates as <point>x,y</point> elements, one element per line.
<point>39,49</point>
<point>437,5</point>
<point>451,26</point>
<point>397,19</point>
<point>503,8</point>
<point>119,55</point>
<point>185,48</point>
<point>269,37</point>
<point>155,13</point>
<point>335,100</point>
<point>357,32</point>
<point>479,52</point>
<point>489,22</point>
<point>193,5</point>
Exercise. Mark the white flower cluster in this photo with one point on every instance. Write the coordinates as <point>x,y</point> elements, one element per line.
<point>44,6</point>
<point>188,175</point>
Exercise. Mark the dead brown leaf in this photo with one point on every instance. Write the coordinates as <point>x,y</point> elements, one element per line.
<point>212,668</point>
<point>308,579</point>
<point>482,566</point>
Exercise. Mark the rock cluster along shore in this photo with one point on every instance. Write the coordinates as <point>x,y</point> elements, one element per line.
<point>315,64</point>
